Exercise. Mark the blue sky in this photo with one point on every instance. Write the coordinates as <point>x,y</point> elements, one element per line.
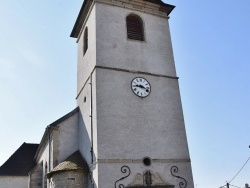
<point>211,48</point>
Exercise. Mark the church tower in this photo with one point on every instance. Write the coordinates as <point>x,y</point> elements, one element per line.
<point>131,127</point>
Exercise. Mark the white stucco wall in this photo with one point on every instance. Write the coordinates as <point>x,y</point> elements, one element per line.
<point>68,137</point>
<point>131,127</point>
<point>126,127</point>
<point>14,181</point>
<point>113,49</point>
<point>85,75</point>
<point>45,154</point>
<point>85,123</point>
<point>86,62</point>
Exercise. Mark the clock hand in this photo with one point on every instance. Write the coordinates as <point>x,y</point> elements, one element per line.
<point>142,87</point>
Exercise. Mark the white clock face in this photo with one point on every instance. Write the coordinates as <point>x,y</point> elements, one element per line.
<point>141,87</point>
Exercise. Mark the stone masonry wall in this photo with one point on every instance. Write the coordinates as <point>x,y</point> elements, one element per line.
<point>36,174</point>
<point>69,179</point>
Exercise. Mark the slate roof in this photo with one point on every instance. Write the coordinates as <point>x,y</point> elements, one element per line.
<point>21,162</point>
<point>73,162</point>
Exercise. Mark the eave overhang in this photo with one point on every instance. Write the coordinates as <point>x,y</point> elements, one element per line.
<point>164,7</point>
<point>80,18</point>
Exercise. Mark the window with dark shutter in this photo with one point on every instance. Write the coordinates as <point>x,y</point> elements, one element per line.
<point>85,41</point>
<point>135,27</point>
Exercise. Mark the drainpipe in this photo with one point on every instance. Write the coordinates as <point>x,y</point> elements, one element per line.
<point>91,120</point>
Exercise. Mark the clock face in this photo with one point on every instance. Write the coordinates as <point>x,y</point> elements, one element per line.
<point>141,87</point>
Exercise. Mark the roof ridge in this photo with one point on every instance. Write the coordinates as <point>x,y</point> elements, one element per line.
<point>31,143</point>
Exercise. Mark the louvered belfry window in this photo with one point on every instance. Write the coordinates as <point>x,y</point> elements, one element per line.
<point>85,41</point>
<point>135,27</point>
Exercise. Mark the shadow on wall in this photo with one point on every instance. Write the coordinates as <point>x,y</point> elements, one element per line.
<point>86,147</point>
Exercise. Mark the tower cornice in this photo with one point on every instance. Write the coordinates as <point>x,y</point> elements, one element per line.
<point>125,70</point>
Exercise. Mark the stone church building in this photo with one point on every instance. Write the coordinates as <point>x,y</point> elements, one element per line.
<point>128,127</point>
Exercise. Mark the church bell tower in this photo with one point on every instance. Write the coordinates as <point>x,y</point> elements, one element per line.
<point>131,127</point>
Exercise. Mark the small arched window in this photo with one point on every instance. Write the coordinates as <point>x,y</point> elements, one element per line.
<point>135,27</point>
<point>85,41</point>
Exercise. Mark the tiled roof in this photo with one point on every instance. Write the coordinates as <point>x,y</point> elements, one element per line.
<point>73,162</point>
<point>21,162</point>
